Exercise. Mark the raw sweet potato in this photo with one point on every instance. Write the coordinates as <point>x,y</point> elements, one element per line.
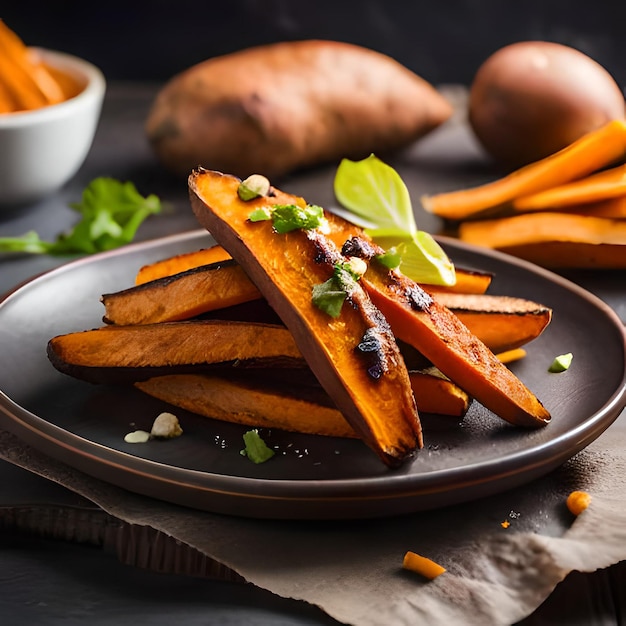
<point>26,82</point>
<point>277,108</point>
<point>590,153</point>
<point>554,240</point>
<point>354,356</point>
<point>603,185</point>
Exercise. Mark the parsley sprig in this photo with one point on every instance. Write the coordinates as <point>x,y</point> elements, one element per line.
<point>111,212</point>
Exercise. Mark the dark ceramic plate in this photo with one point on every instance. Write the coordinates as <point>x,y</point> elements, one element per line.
<point>311,477</point>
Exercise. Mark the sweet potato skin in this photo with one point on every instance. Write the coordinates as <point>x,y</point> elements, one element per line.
<point>277,108</point>
<point>284,269</point>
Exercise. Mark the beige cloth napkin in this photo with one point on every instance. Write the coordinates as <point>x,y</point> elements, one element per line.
<point>496,574</point>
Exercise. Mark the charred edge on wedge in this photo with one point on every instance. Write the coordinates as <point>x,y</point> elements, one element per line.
<point>374,344</point>
<point>415,296</point>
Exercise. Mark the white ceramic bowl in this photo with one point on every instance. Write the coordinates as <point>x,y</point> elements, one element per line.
<point>41,150</point>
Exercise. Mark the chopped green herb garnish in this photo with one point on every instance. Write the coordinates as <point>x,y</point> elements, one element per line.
<point>111,212</point>
<point>261,215</point>
<point>255,448</point>
<point>288,217</point>
<point>379,201</point>
<point>561,363</point>
<point>330,295</point>
<point>391,259</point>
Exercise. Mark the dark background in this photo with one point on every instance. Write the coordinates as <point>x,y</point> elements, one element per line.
<point>442,40</point>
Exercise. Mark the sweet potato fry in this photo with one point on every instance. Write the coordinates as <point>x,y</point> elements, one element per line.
<point>467,281</point>
<point>355,357</point>
<point>285,406</point>
<point>129,354</point>
<point>554,240</point>
<point>181,263</point>
<point>181,296</point>
<point>592,152</point>
<point>501,323</point>
<point>441,337</point>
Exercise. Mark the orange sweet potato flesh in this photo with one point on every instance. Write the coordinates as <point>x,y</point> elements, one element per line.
<point>502,323</point>
<point>595,150</point>
<point>119,354</point>
<point>180,263</point>
<point>467,281</point>
<point>603,185</point>
<point>554,240</point>
<point>27,83</point>
<point>371,389</point>
<point>129,354</point>
<point>181,296</point>
<point>243,401</point>
<point>611,207</point>
<point>441,337</point>
<point>278,405</point>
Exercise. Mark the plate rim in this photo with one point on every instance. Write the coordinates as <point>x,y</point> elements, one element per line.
<point>33,429</point>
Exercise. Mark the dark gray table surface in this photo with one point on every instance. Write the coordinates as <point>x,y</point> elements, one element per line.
<point>46,578</point>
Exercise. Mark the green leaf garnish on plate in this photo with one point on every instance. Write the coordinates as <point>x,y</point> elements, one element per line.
<point>561,363</point>
<point>111,212</point>
<point>256,449</point>
<point>377,197</point>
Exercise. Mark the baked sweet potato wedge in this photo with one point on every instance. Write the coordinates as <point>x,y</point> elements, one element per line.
<point>130,354</point>
<point>245,401</point>
<point>180,263</point>
<point>354,356</point>
<point>181,296</point>
<point>467,280</point>
<point>437,333</point>
<point>285,406</point>
<point>123,354</point>
<point>502,323</point>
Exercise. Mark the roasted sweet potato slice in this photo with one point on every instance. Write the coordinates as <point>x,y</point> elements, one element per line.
<point>554,240</point>
<point>180,263</point>
<point>500,322</point>
<point>218,286</point>
<point>181,296</point>
<point>285,406</point>
<point>129,353</point>
<point>354,356</point>
<point>244,401</point>
<point>441,337</point>
<point>467,280</point>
